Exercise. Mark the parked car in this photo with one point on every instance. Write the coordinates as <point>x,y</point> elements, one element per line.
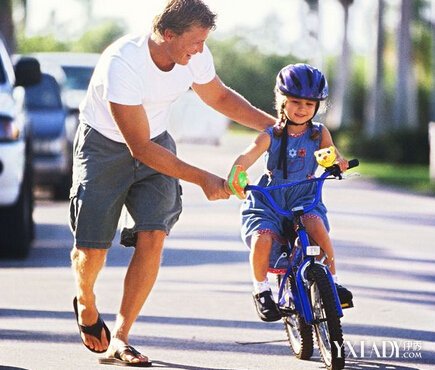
<point>53,145</point>
<point>77,69</point>
<point>16,197</point>
<point>52,136</point>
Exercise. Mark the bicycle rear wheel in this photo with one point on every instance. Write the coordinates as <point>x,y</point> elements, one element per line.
<point>327,325</point>
<point>299,333</point>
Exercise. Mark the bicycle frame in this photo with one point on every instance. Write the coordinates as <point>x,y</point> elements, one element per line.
<point>301,257</point>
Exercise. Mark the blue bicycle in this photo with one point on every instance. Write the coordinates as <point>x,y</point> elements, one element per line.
<point>307,295</point>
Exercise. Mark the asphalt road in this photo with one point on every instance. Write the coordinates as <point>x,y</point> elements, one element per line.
<point>200,314</point>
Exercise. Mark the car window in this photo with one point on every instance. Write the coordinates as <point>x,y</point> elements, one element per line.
<point>44,95</point>
<point>77,78</point>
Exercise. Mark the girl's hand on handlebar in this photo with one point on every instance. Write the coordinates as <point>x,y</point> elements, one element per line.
<point>342,163</point>
<point>237,181</point>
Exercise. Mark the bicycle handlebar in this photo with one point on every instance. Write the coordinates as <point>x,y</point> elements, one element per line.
<point>334,170</point>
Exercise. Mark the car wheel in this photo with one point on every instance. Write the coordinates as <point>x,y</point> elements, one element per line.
<point>16,223</point>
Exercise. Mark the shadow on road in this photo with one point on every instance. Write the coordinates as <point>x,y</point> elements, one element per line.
<point>350,329</point>
<point>171,365</point>
<point>349,254</point>
<point>54,251</point>
<point>397,295</point>
<point>364,365</point>
<point>277,347</point>
<point>406,219</point>
<point>387,332</point>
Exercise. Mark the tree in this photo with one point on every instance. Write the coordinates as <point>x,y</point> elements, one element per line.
<point>405,106</point>
<point>248,70</point>
<point>376,102</point>
<point>313,25</point>
<point>98,38</point>
<point>20,7</point>
<point>24,6</point>
<point>36,44</point>
<point>335,117</point>
<point>88,11</point>
<point>432,104</point>
<point>7,25</point>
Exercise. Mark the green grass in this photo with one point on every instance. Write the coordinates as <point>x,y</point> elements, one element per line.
<point>410,177</point>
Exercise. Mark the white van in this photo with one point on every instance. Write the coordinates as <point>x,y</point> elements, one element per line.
<point>16,198</point>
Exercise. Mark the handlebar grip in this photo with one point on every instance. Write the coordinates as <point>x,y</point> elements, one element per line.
<point>353,163</point>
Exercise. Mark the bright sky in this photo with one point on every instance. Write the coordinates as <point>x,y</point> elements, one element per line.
<point>232,15</point>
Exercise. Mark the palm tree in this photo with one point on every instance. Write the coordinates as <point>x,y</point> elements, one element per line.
<point>313,27</point>
<point>88,11</point>
<point>432,107</point>
<point>23,4</point>
<point>7,25</point>
<point>375,114</point>
<point>335,117</point>
<point>405,107</point>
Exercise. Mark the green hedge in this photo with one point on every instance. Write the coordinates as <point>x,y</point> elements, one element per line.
<point>405,146</point>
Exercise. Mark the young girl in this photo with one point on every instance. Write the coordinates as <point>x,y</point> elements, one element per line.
<point>289,147</point>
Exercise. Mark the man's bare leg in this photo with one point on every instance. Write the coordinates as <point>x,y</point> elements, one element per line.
<point>139,280</point>
<point>87,263</point>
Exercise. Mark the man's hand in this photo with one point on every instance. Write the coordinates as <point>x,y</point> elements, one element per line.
<point>137,137</point>
<point>214,187</point>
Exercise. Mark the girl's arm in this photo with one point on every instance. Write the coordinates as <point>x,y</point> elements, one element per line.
<point>326,141</point>
<point>245,160</point>
<point>253,151</point>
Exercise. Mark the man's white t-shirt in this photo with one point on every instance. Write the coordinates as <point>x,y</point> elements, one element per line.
<point>126,74</point>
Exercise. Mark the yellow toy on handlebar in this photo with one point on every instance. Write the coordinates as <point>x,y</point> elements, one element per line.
<point>326,157</point>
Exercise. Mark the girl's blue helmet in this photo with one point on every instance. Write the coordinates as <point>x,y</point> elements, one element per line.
<point>302,81</point>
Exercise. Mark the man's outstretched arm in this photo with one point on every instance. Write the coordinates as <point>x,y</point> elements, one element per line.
<point>133,124</point>
<point>233,105</point>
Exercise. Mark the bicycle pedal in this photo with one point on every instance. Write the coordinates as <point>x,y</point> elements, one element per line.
<point>347,305</point>
<point>285,311</point>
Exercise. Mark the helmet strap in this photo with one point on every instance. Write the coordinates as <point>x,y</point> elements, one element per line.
<point>316,110</point>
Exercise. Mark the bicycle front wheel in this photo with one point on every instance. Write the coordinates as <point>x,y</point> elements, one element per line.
<point>327,325</point>
<point>299,333</point>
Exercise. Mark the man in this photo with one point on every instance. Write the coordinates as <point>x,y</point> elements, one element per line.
<point>123,155</point>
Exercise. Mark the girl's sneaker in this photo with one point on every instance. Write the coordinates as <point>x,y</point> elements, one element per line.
<point>266,307</point>
<point>345,296</point>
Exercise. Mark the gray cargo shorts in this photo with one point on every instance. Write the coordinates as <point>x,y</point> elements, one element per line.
<point>105,178</point>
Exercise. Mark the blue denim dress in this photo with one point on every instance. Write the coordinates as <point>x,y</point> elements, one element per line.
<point>257,214</point>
